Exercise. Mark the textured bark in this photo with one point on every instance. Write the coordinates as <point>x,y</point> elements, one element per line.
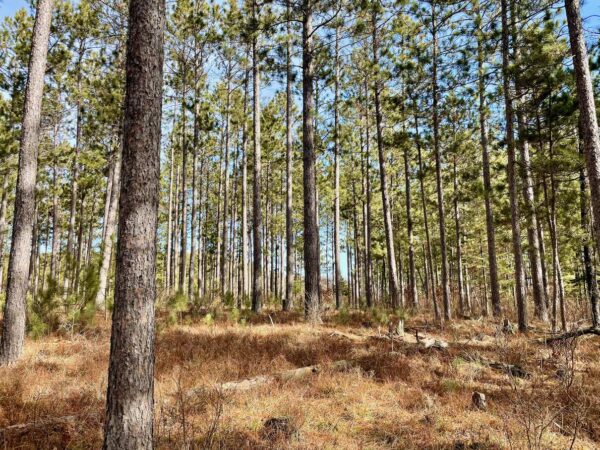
<point>169,223</point>
<point>311,223</point>
<point>289,160</point>
<point>184,152</point>
<point>429,254</point>
<point>109,231</point>
<point>191,267</point>
<point>487,180</point>
<point>532,226</point>
<point>13,332</point>
<point>459,260</point>
<point>395,297</point>
<point>588,265</point>
<point>527,187</point>
<point>367,211</point>
<point>224,229</point>
<point>244,224</point>
<point>3,225</point>
<point>511,169</point>
<point>70,257</point>
<point>412,281</point>
<point>54,261</point>
<point>558,289</point>
<point>438,174</point>
<point>587,108</point>
<point>257,281</point>
<point>336,169</point>
<point>130,396</point>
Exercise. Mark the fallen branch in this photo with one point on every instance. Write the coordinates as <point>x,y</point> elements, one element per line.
<point>22,428</point>
<point>572,334</point>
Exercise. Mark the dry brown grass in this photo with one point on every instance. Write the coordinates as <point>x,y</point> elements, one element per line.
<point>395,396</point>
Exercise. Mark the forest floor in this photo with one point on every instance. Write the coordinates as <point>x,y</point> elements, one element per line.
<point>387,393</point>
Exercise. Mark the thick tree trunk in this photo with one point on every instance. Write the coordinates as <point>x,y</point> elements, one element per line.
<point>587,108</point>
<point>311,224</point>
<point>130,396</point>
<point>13,332</point>
<point>512,174</point>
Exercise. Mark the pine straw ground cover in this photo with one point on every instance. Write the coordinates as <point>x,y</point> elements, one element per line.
<point>393,395</point>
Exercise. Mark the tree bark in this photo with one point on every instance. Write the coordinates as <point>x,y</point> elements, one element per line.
<point>412,281</point>
<point>438,173</point>
<point>13,332</point>
<point>587,108</point>
<point>311,223</point>
<point>367,210</point>
<point>487,181</point>
<point>395,297</point>
<point>109,231</point>
<point>184,153</point>
<point>459,260</point>
<point>169,222</point>
<point>257,281</point>
<point>289,161</point>
<point>130,395</point>
<point>512,175</point>
<point>244,224</point>
<point>3,225</point>
<point>336,165</point>
<point>429,253</point>
<point>588,265</point>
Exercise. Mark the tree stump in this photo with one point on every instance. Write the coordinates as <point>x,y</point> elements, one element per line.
<point>479,401</point>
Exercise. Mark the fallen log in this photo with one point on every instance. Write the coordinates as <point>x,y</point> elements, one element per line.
<point>282,377</point>
<point>509,369</point>
<point>572,334</point>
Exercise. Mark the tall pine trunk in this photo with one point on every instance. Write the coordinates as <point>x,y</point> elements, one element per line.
<point>130,394</point>
<point>512,174</point>
<point>311,223</point>
<point>395,297</point>
<point>109,230</point>
<point>289,162</point>
<point>336,165</point>
<point>257,281</point>
<point>13,332</point>
<point>438,172</point>
<point>587,108</point>
<point>487,180</point>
